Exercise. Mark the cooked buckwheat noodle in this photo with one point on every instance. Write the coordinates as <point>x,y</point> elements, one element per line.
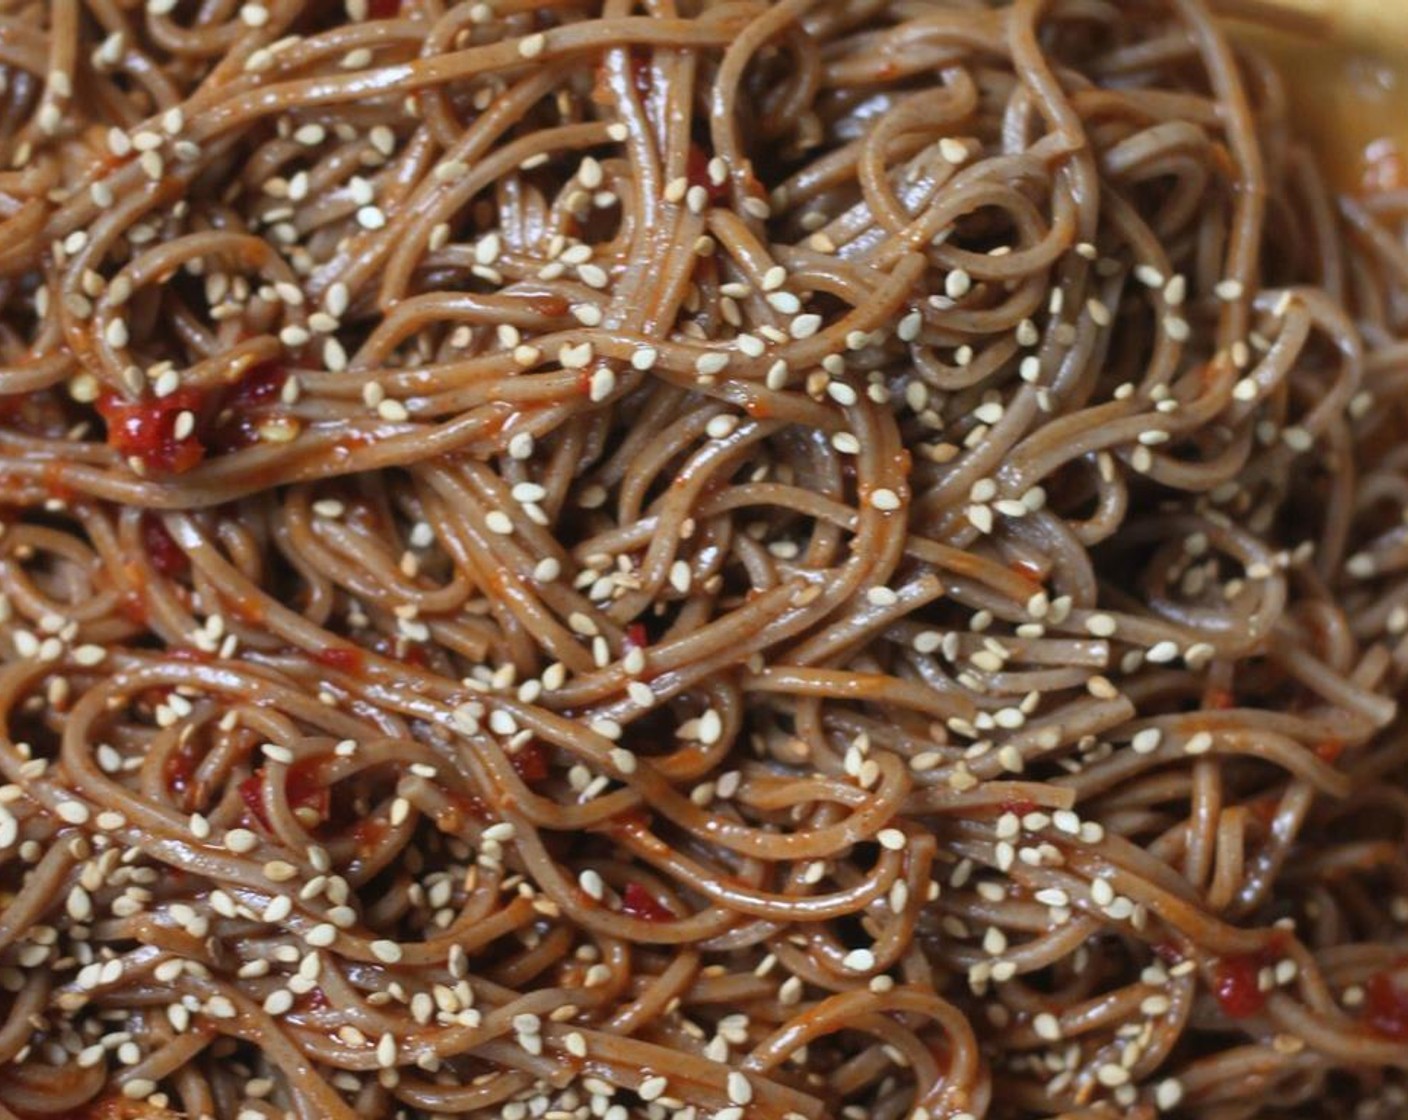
<point>693,560</point>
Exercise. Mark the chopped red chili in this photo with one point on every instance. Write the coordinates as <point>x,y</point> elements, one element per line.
<point>530,761</point>
<point>640,903</point>
<point>147,430</point>
<point>222,420</point>
<point>1386,1006</point>
<point>161,548</point>
<point>697,172</point>
<point>1237,985</point>
<point>179,768</point>
<point>345,659</point>
<point>304,787</point>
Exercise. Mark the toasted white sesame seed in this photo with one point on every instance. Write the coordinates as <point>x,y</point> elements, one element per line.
<point>1361,566</point>
<point>891,838</point>
<point>1047,1026</point>
<point>241,840</point>
<point>981,518</point>
<point>881,597</point>
<point>953,151</point>
<point>591,882</point>
<point>502,832</point>
<point>321,935</point>
<point>1161,653</point>
<point>1112,1075</point>
<point>711,363</point>
<point>547,569</point>
<point>386,1052</point>
<point>72,812</point>
<point>885,500</point>
<point>601,384</point>
<point>1101,625</point>
<point>740,1089</point>
<point>621,758</point>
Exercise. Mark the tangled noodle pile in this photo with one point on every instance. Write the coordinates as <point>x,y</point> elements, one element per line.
<point>816,559</point>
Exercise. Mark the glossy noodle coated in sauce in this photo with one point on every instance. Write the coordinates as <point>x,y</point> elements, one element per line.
<point>693,561</point>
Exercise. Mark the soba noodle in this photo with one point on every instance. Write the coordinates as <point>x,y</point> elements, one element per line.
<point>693,560</point>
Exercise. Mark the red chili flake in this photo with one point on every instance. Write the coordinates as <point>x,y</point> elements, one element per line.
<point>134,608</point>
<point>459,808</point>
<point>1236,985</point>
<point>757,408</point>
<point>315,999</point>
<point>247,608</point>
<point>1026,570</point>
<point>697,172</point>
<point>1236,977</point>
<point>367,834</point>
<point>1329,750</point>
<point>179,768</point>
<point>237,421</point>
<point>1020,805</point>
<point>637,636</point>
<point>1168,952</point>
<point>161,548</point>
<point>642,76</point>
<point>262,383</point>
<point>252,793</point>
<point>1264,808</point>
<point>304,788</point>
<point>1386,1006</point>
<point>383,9</point>
<point>550,305</point>
<point>530,761</point>
<point>640,903</point>
<point>345,659</point>
<point>146,430</point>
